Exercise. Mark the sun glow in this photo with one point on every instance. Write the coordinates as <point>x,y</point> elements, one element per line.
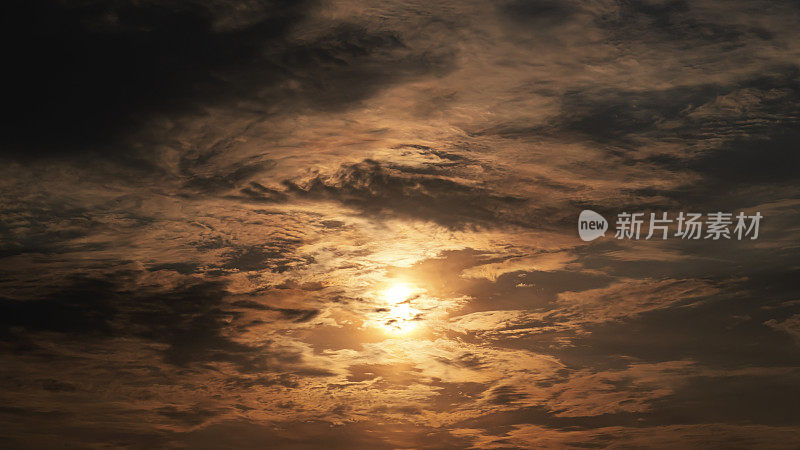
<point>402,317</point>
<point>397,293</point>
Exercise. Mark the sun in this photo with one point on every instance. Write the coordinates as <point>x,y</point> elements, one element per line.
<point>397,293</point>
<point>401,317</point>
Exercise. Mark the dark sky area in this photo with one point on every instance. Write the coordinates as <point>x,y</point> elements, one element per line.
<point>353,224</point>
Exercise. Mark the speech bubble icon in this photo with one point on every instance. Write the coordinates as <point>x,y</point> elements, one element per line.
<point>591,225</point>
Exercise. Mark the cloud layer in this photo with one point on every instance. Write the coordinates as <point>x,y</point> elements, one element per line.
<point>210,208</point>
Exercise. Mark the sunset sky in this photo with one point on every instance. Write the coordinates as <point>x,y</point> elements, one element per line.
<point>354,224</point>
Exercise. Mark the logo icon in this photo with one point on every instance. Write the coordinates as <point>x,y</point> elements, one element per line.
<point>591,225</point>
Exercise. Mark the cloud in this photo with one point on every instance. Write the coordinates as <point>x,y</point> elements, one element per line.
<point>686,436</point>
<point>94,74</point>
<point>204,203</point>
<point>791,326</point>
<point>543,263</point>
<point>375,189</point>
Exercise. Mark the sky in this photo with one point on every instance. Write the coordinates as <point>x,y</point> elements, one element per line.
<point>354,224</point>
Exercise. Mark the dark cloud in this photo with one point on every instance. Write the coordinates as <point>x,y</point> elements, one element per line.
<point>766,158</point>
<point>86,72</point>
<point>192,417</point>
<point>753,399</point>
<point>296,315</point>
<point>301,435</point>
<point>260,193</point>
<point>85,307</point>
<point>536,12</point>
<point>467,359</point>
<point>675,21</point>
<point>276,256</point>
<point>86,75</point>
<point>223,181</point>
<point>726,332</point>
<point>57,386</point>
<point>190,319</point>
<point>30,230</point>
<point>505,395</point>
<point>376,190</point>
<point>182,268</point>
<point>285,380</point>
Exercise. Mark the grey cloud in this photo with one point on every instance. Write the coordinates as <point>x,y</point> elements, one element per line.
<point>725,332</point>
<point>93,75</point>
<point>375,189</point>
<point>294,314</point>
<point>277,256</point>
<point>535,13</point>
<point>191,319</point>
<point>191,416</point>
<point>678,21</point>
<point>505,395</point>
<point>752,399</point>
